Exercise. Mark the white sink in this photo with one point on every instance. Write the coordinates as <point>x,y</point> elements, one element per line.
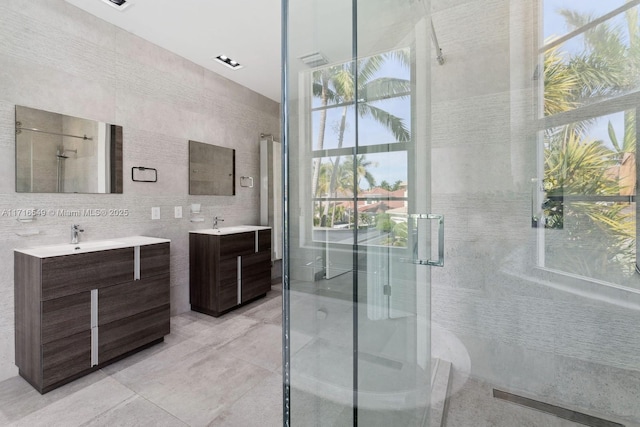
<point>98,244</point>
<point>71,248</point>
<point>235,229</point>
<point>231,230</point>
<point>47,251</point>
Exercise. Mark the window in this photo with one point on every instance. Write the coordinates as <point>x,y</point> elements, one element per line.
<point>361,131</point>
<point>590,85</point>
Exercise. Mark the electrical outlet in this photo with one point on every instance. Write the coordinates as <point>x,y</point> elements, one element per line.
<point>177,211</point>
<point>155,213</point>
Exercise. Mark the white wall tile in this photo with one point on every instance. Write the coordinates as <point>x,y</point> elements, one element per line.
<point>524,329</point>
<point>56,57</point>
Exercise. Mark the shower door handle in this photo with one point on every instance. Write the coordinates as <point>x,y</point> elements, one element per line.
<point>440,261</point>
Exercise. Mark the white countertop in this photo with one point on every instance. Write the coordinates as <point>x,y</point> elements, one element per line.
<point>222,231</point>
<point>46,251</point>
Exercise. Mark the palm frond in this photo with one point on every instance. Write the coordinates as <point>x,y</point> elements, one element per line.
<point>368,67</point>
<point>560,84</point>
<point>385,87</point>
<point>331,96</point>
<point>630,132</point>
<point>344,84</point>
<point>613,138</point>
<point>394,123</point>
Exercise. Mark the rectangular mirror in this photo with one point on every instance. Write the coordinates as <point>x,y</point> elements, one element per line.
<point>56,153</point>
<point>212,170</point>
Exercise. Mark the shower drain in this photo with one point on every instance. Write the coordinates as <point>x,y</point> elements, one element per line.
<point>558,411</point>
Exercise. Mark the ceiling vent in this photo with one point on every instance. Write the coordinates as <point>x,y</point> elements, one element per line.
<point>118,4</point>
<point>315,59</point>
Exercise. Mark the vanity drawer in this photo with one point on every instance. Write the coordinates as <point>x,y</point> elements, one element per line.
<point>227,295</point>
<point>69,315</point>
<point>228,270</point>
<point>125,335</point>
<point>154,260</point>
<point>237,244</point>
<point>70,274</point>
<point>65,357</point>
<point>130,298</point>
<point>256,275</point>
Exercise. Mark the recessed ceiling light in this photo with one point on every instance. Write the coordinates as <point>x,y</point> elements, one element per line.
<point>225,60</point>
<point>118,4</point>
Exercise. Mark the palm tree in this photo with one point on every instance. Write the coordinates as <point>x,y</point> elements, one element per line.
<point>368,87</point>
<point>610,64</point>
<point>560,83</point>
<point>345,181</point>
<point>362,171</point>
<point>321,89</point>
<point>322,187</point>
<point>601,237</point>
<point>575,166</point>
<point>340,84</point>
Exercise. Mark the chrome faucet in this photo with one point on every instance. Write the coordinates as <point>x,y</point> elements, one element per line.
<point>215,222</point>
<point>75,233</point>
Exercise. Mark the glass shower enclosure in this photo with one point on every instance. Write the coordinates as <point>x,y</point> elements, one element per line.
<point>359,223</point>
<point>460,187</point>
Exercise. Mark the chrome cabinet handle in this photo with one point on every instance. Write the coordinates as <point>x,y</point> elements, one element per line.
<point>440,261</point>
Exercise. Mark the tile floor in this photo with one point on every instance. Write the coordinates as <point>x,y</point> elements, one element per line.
<point>225,372</point>
<point>474,406</point>
<point>210,371</point>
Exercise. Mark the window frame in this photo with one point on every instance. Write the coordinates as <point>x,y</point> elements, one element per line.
<point>352,152</point>
<point>613,105</point>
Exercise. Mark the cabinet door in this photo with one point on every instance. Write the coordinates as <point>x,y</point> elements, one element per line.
<point>124,335</point>
<point>227,293</point>
<point>64,358</point>
<point>201,271</point>
<point>264,241</point>
<point>66,338</point>
<point>132,314</point>
<point>256,275</point>
<point>154,260</point>
<point>69,315</point>
<point>231,247</point>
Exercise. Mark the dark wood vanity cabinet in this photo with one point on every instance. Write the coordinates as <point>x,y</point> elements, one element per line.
<point>76,313</point>
<point>226,271</point>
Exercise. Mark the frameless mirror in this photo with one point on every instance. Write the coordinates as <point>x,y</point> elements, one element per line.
<point>56,153</point>
<point>212,170</point>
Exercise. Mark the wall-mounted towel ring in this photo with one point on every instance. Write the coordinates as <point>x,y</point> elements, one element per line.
<point>144,174</point>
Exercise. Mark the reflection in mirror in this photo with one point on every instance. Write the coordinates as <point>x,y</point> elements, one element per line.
<point>64,154</point>
<point>212,170</point>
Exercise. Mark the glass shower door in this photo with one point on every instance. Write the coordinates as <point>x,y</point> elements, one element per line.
<point>358,230</point>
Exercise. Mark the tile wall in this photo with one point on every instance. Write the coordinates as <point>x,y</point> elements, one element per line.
<point>569,342</point>
<point>56,57</point>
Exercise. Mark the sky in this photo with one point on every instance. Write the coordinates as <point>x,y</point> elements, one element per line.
<point>391,167</point>
<point>554,25</point>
